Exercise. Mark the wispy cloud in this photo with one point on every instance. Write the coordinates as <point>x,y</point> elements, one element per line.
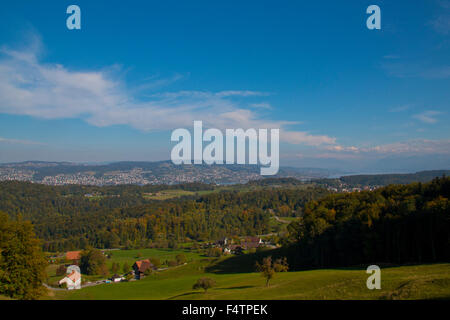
<point>400,108</point>
<point>441,22</point>
<point>409,70</point>
<point>18,141</point>
<point>156,82</point>
<point>261,105</point>
<point>427,116</point>
<point>410,147</point>
<point>53,91</point>
<point>297,137</point>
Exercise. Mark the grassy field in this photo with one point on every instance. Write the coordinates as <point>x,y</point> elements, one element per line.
<point>167,194</point>
<point>177,193</point>
<point>130,256</point>
<point>405,282</point>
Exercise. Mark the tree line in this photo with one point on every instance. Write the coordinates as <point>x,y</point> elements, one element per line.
<point>394,224</point>
<point>67,220</point>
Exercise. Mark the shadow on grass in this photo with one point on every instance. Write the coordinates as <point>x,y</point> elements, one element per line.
<point>246,263</point>
<point>186,294</point>
<point>240,287</point>
<point>242,263</point>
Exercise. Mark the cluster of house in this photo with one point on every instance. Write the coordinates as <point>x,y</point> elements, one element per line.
<point>72,279</point>
<point>141,267</point>
<point>228,246</point>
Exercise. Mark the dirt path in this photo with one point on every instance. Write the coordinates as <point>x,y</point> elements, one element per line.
<point>281,220</point>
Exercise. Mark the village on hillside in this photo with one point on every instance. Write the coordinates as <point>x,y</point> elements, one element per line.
<point>72,278</point>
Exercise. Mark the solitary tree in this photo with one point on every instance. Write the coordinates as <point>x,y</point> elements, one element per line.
<point>268,268</point>
<point>204,283</point>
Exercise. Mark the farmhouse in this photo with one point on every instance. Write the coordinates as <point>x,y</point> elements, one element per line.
<point>73,268</point>
<point>139,268</point>
<point>73,256</point>
<point>72,280</point>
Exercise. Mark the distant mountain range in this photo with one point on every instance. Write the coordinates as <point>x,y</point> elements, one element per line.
<point>162,172</point>
<point>165,172</point>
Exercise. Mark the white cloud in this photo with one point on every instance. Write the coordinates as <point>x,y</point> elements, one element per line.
<point>297,137</point>
<point>427,116</point>
<point>52,91</point>
<point>342,148</point>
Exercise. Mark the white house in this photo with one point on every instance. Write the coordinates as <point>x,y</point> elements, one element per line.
<point>72,280</point>
<point>73,268</point>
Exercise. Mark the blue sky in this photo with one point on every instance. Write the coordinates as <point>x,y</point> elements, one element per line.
<point>344,96</point>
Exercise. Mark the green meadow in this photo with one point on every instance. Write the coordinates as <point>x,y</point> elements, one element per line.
<point>167,194</point>
<point>404,282</point>
<point>130,256</point>
<point>177,193</point>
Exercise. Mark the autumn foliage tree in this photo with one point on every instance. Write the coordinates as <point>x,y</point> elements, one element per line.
<point>22,262</point>
<point>269,267</point>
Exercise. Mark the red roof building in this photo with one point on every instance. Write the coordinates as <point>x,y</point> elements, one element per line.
<point>73,255</point>
<point>140,267</point>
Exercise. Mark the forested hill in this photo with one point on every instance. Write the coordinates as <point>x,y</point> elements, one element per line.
<point>386,179</point>
<point>66,219</point>
<point>393,224</point>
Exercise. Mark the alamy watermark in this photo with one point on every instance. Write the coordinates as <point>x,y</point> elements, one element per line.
<point>374,280</point>
<point>73,22</point>
<point>258,145</point>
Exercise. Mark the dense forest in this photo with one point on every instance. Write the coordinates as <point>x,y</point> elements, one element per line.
<point>393,224</point>
<point>66,219</point>
<point>384,179</point>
